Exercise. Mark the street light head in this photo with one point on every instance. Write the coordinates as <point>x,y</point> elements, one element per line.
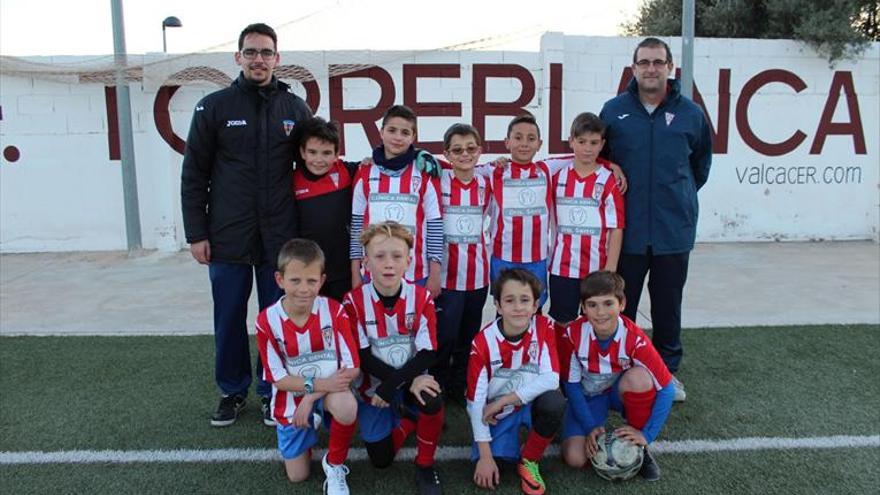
<point>172,21</point>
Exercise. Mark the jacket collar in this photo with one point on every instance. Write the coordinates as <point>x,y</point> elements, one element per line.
<point>673,90</point>
<point>249,87</point>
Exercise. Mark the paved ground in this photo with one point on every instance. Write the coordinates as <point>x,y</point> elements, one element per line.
<point>731,284</point>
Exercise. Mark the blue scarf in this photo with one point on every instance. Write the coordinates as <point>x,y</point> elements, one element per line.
<point>397,163</point>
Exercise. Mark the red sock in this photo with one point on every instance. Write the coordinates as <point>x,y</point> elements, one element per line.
<point>637,406</point>
<point>399,434</point>
<point>340,440</point>
<point>428,432</point>
<point>535,445</point>
<point>563,350</point>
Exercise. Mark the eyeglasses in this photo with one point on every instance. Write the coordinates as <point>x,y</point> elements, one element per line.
<point>470,150</point>
<point>251,53</point>
<point>645,63</point>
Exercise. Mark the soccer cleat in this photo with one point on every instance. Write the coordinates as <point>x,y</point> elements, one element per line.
<point>228,410</point>
<point>650,470</point>
<point>266,407</point>
<point>428,481</point>
<point>680,394</point>
<point>531,481</point>
<point>335,483</point>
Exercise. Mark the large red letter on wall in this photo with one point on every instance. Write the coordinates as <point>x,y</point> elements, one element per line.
<point>742,112</point>
<point>483,108</point>
<point>306,78</point>
<point>842,80</point>
<point>411,74</point>
<point>162,103</point>
<point>367,117</point>
<point>556,143</point>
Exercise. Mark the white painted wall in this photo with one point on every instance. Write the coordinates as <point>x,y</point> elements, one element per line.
<point>64,193</point>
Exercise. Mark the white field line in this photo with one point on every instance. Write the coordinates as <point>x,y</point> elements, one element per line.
<point>408,454</point>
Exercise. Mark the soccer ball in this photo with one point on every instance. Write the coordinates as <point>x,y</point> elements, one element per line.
<point>617,459</point>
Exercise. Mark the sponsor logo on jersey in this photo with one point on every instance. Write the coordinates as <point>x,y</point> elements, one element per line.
<point>623,116</point>
<point>236,123</point>
<point>533,351</point>
<point>624,362</point>
<point>409,321</point>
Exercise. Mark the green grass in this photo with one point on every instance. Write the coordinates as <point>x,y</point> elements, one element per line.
<point>63,393</point>
<point>820,472</point>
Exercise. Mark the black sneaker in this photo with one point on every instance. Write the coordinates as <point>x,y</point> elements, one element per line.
<point>428,481</point>
<point>266,407</point>
<point>650,470</point>
<point>228,410</point>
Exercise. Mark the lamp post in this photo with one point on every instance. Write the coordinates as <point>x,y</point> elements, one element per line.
<point>169,21</point>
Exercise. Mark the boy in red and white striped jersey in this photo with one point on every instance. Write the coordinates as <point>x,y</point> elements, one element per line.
<point>393,189</point>
<point>464,199</point>
<point>522,200</point>
<point>396,329</point>
<point>588,215</point>
<point>613,365</point>
<point>513,380</point>
<point>310,357</point>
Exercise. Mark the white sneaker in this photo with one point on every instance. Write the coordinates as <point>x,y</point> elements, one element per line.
<point>335,483</point>
<point>680,394</point>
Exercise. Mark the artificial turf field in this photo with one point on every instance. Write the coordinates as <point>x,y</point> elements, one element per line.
<point>157,394</point>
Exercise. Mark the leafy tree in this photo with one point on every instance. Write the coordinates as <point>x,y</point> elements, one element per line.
<point>834,28</point>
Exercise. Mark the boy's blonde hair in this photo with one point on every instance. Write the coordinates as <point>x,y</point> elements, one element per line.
<point>389,229</point>
<point>302,250</point>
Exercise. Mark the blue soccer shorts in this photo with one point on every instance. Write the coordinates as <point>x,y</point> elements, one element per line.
<point>599,405</point>
<point>293,441</point>
<point>505,435</point>
<point>376,423</point>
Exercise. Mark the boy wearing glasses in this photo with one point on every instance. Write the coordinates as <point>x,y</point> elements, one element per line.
<point>237,207</point>
<point>464,198</point>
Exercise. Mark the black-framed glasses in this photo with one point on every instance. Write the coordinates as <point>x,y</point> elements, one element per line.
<point>251,53</point>
<point>645,63</point>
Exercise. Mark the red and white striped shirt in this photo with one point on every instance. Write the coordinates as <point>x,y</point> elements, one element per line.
<point>465,264</point>
<point>396,335</point>
<point>597,370</point>
<point>521,203</point>
<point>410,199</point>
<point>321,346</point>
<point>584,209</point>
<point>497,367</point>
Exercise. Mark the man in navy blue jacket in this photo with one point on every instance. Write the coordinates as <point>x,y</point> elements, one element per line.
<point>238,206</point>
<point>664,145</point>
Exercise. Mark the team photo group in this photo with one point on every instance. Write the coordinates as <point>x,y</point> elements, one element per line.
<point>372,276</point>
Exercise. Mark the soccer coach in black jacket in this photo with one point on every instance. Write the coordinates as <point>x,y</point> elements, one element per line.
<point>238,206</point>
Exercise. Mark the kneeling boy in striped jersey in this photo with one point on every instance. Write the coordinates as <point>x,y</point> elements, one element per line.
<point>397,334</point>
<point>513,381</point>
<point>310,357</point>
<point>613,365</point>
